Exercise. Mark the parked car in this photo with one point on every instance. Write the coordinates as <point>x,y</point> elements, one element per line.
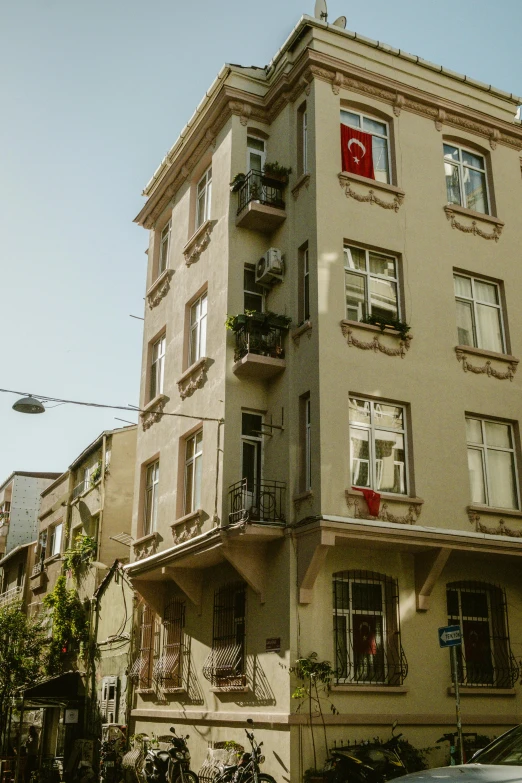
<point>498,762</point>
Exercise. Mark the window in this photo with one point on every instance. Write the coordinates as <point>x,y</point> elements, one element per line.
<point>141,672</point>
<point>304,284</point>
<point>251,450</point>
<point>151,498</point>
<point>377,444</point>
<point>42,546</point>
<point>255,154</point>
<point>491,463</point>
<point>109,700</point>
<point>306,444</point>
<point>254,294</point>
<point>302,140</point>
<point>168,669</point>
<point>20,575</point>
<point>465,178</point>
<point>55,539</point>
<point>225,665</point>
<point>157,370</point>
<point>203,198</point>
<point>380,141</point>
<point>485,656</point>
<point>372,285</point>
<point>198,329</point>
<point>368,646</point>
<point>479,314</point>
<point>193,471</point>
<point>163,259</point>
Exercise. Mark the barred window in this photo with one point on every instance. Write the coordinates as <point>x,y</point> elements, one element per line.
<point>141,671</point>
<point>225,664</point>
<point>367,634</point>
<point>109,700</point>
<point>168,669</point>
<point>484,658</point>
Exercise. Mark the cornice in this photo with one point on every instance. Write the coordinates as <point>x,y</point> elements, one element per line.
<point>286,88</point>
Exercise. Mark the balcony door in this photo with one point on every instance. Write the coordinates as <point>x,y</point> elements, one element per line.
<point>255,162</point>
<point>251,458</point>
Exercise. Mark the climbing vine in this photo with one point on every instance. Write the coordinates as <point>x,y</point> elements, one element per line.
<point>77,559</point>
<point>70,625</point>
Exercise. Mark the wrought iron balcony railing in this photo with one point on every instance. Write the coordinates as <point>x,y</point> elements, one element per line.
<point>262,501</point>
<point>79,489</point>
<point>260,333</point>
<point>14,594</point>
<point>258,187</point>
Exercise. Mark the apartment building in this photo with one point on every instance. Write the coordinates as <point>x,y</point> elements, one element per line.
<point>339,470</point>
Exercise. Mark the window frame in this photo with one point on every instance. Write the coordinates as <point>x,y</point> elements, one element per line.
<point>164,248</point>
<point>302,140</point>
<point>262,153</point>
<point>225,666</point>
<point>367,275</point>
<point>151,497</point>
<point>372,472</point>
<point>461,165</point>
<point>196,326</point>
<point>168,671</point>
<point>308,444</point>
<point>191,462</point>
<point>55,549</point>
<point>250,268</point>
<point>157,366</point>
<point>475,301</point>
<point>204,197</point>
<point>373,118</point>
<point>484,448</point>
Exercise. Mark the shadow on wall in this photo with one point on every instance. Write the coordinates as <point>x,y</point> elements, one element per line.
<point>261,694</point>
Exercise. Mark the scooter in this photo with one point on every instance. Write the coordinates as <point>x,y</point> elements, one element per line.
<point>169,766</point>
<point>370,762</point>
<point>247,769</point>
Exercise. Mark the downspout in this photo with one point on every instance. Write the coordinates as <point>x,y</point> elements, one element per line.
<point>215,518</point>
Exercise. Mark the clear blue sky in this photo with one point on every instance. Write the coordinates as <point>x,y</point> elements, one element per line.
<point>92,96</point>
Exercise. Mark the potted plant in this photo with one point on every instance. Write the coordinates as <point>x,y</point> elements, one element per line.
<point>387,323</point>
<point>237,182</point>
<point>275,172</point>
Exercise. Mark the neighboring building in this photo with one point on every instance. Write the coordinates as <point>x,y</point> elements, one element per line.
<point>253,541</point>
<point>19,505</point>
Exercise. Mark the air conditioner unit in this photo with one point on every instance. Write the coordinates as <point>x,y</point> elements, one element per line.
<point>270,266</point>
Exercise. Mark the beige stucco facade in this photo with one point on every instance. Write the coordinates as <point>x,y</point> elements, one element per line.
<point>425,537</point>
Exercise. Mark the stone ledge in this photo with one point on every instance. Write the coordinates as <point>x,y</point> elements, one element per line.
<point>346,180</point>
<point>302,329</point>
<point>193,378</point>
<point>452,210</point>
<point>153,411</point>
<point>187,526</point>
<point>462,351</point>
<point>481,690</point>
<point>414,506</point>
<point>197,243</point>
<point>303,181</point>
<point>392,689</point>
<point>375,345</point>
<point>159,288</point>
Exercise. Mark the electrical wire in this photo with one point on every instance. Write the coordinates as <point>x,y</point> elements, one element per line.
<point>45,398</point>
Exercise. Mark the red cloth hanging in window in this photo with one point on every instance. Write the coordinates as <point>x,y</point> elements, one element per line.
<point>373,500</point>
<point>356,151</point>
<point>364,633</point>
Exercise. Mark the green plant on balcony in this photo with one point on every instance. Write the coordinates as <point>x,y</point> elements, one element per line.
<point>96,474</point>
<point>387,323</point>
<point>80,556</point>
<point>237,182</point>
<point>70,626</point>
<point>254,319</point>
<point>277,172</point>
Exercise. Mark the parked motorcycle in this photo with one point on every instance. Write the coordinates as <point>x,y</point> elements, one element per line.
<point>169,766</point>
<point>247,769</point>
<point>370,762</point>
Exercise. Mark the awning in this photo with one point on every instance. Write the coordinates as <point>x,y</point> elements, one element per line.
<point>59,691</point>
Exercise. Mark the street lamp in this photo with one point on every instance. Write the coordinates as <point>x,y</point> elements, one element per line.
<point>28,405</point>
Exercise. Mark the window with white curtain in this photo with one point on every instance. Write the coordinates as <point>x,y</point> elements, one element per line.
<point>193,471</point>
<point>466,183</point>
<point>479,313</point>
<point>203,198</point>
<point>492,463</point>
<point>377,446</point>
<point>198,329</point>
<point>371,283</point>
<point>157,368</point>
<point>55,539</point>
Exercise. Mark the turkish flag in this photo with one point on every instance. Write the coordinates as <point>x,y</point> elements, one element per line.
<point>364,641</point>
<point>373,500</point>
<point>356,151</point>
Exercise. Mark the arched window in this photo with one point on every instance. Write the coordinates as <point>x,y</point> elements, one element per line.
<point>484,658</point>
<point>367,634</point>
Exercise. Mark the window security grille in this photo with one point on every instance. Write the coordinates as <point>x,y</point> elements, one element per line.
<point>168,669</point>
<point>109,700</point>
<point>484,659</point>
<point>368,647</point>
<point>141,670</point>
<point>225,664</point>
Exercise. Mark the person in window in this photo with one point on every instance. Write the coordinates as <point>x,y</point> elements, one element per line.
<point>31,747</point>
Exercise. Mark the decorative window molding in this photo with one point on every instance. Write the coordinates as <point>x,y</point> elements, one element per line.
<point>187,527</point>
<point>193,378</point>
<point>153,411</point>
<point>159,288</point>
<point>346,181</point>
<point>302,182</point>
<point>497,225</point>
<point>355,501</point>
<point>198,242</point>
<point>145,546</point>
<point>501,529</point>
<point>375,345</point>
<point>305,328</point>
<point>462,351</point>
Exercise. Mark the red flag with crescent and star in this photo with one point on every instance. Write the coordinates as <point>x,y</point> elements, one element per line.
<point>356,149</point>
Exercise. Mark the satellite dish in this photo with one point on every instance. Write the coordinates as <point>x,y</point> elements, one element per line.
<point>340,22</point>
<point>321,11</point>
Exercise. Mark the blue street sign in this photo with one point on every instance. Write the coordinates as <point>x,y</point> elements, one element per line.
<point>450,636</point>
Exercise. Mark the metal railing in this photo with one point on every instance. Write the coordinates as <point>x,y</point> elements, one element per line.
<point>258,187</point>
<point>38,568</point>
<point>261,339</point>
<point>79,489</point>
<point>14,594</point>
<point>262,501</point>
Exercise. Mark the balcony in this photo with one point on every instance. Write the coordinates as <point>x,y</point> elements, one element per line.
<point>79,489</point>
<point>259,350</point>
<point>262,502</point>
<point>260,204</point>
<point>10,596</point>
